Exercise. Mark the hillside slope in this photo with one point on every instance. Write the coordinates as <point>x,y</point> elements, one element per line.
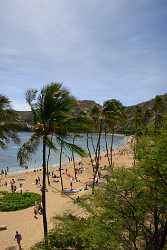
<point>86,105</point>
<point>146,107</point>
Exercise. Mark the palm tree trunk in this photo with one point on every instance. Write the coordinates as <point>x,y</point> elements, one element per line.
<point>61,179</point>
<point>89,152</point>
<point>111,148</point>
<point>48,162</point>
<point>105,136</point>
<point>47,166</point>
<point>93,146</point>
<point>73,159</point>
<point>97,157</point>
<point>45,227</point>
<point>97,168</point>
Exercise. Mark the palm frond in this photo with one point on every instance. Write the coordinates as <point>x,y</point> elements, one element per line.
<point>56,102</point>
<point>4,103</point>
<point>70,146</point>
<point>113,112</point>
<point>50,144</point>
<point>31,95</point>
<point>9,124</point>
<point>27,149</point>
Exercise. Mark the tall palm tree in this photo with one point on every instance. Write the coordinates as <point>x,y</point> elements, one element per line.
<point>9,123</point>
<point>70,127</point>
<point>113,113</point>
<point>51,109</point>
<point>87,126</point>
<point>96,114</point>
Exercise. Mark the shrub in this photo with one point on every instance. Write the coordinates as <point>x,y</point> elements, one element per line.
<point>17,201</point>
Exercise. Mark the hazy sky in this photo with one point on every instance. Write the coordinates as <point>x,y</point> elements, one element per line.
<point>99,49</point>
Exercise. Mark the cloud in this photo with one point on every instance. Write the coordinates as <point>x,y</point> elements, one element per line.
<point>99,49</point>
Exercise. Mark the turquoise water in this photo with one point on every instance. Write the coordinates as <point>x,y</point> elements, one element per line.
<point>8,157</point>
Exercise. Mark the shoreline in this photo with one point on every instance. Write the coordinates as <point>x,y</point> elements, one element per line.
<point>57,202</point>
<point>54,166</point>
<point>15,168</point>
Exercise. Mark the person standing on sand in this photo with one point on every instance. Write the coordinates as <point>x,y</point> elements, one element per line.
<point>12,186</point>
<point>35,211</point>
<point>71,184</point>
<point>6,173</point>
<point>86,187</point>
<point>2,172</point>
<point>39,180</point>
<point>52,174</point>
<point>40,210</point>
<point>21,187</point>
<point>18,238</point>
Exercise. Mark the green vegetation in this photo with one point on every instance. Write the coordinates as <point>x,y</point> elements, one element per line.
<point>148,110</point>
<point>113,113</point>
<point>9,124</point>
<point>17,201</point>
<point>129,211</point>
<point>152,111</point>
<point>51,110</point>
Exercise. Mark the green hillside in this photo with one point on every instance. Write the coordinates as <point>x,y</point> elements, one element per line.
<point>86,105</point>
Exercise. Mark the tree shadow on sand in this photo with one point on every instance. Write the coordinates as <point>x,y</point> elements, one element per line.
<point>13,248</point>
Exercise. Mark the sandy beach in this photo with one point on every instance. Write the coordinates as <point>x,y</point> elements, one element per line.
<point>57,203</point>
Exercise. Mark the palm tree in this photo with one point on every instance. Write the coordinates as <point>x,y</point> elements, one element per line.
<point>87,126</point>
<point>96,114</point>
<point>89,151</point>
<point>71,125</point>
<point>64,143</point>
<point>9,123</point>
<point>51,109</point>
<point>113,113</point>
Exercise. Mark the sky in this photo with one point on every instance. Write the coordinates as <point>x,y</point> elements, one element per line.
<point>98,49</point>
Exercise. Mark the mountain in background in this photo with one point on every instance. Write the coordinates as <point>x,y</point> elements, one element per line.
<point>147,107</point>
<point>82,105</point>
<point>148,104</point>
<point>86,105</point>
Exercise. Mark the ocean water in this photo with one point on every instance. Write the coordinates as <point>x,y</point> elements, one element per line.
<point>8,157</point>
